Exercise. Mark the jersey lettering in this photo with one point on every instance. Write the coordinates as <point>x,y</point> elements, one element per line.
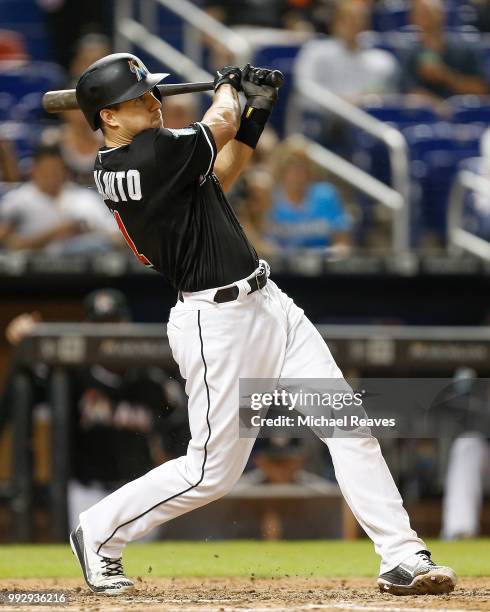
<point>116,186</point>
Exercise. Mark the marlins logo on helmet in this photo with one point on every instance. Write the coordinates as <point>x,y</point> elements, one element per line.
<point>138,68</point>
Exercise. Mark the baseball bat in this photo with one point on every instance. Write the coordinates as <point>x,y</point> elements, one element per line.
<point>65,99</point>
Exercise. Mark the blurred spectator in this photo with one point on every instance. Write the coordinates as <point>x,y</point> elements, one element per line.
<point>279,465</point>
<point>180,111</point>
<point>482,17</point>
<point>341,64</point>
<point>68,20</point>
<point>9,167</point>
<point>88,50</point>
<point>123,422</point>
<point>49,212</point>
<point>305,213</point>
<point>79,145</point>
<point>251,196</point>
<point>260,22</point>
<point>12,46</point>
<point>441,66</point>
<point>266,13</point>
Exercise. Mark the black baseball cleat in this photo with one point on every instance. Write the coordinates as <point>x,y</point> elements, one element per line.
<point>418,575</point>
<point>102,574</point>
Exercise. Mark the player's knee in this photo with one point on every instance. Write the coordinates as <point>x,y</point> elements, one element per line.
<point>214,488</point>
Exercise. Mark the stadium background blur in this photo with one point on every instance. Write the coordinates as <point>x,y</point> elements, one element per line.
<point>368,195</point>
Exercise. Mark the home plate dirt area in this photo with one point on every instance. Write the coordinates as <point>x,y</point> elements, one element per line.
<point>227,594</point>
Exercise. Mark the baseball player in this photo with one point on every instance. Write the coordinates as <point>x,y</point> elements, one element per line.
<point>166,189</point>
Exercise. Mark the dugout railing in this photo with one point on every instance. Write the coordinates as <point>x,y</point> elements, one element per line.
<point>63,346</point>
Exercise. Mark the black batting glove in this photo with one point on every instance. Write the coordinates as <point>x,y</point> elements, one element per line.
<point>229,75</point>
<point>259,94</point>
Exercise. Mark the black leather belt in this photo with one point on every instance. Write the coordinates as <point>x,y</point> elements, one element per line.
<point>229,294</point>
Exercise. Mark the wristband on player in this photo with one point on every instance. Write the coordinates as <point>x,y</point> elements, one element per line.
<point>252,125</point>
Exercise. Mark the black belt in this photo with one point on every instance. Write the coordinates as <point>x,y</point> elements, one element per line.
<point>229,294</point>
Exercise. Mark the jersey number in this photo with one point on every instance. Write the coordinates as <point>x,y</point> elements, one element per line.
<point>144,260</point>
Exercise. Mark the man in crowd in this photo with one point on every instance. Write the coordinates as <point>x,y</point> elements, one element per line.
<point>50,213</point>
<point>341,64</point>
<point>441,66</point>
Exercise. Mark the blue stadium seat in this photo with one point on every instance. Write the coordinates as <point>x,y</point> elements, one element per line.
<point>29,108</point>
<point>7,105</point>
<point>424,138</point>
<point>33,77</point>
<point>24,137</point>
<point>280,57</point>
<point>442,166</point>
<point>470,109</point>
<point>26,16</point>
<point>399,111</point>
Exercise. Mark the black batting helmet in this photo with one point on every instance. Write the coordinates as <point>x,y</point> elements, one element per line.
<point>113,79</point>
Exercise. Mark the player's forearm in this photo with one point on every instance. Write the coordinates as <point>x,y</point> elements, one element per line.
<point>461,84</point>
<point>223,116</point>
<point>231,161</point>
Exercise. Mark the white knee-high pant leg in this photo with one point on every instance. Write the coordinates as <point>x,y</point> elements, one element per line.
<point>214,345</point>
<point>361,471</point>
<point>467,478</point>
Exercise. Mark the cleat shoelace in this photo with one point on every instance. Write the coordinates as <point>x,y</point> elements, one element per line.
<point>425,556</point>
<point>112,567</point>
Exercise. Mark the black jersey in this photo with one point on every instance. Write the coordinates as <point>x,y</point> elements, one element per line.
<point>171,209</point>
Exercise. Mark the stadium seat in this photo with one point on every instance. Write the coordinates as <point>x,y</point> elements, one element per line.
<point>29,108</point>
<point>399,111</point>
<point>280,57</point>
<point>470,109</point>
<point>7,104</point>
<point>24,137</point>
<point>424,138</point>
<point>33,77</point>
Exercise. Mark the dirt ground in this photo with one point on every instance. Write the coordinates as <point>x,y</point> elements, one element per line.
<point>243,594</point>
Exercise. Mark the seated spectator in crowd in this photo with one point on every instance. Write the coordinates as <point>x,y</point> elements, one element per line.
<point>123,422</point>
<point>12,47</point>
<point>180,111</point>
<point>305,213</point>
<point>340,64</point>
<point>441,66</point>
<point>251,196</point>
<point>48,212</point>
<point>79,145</point>
<point>89,49</point>
<point>263,14</point>
<point>254,20</point>
<point>9,166</point>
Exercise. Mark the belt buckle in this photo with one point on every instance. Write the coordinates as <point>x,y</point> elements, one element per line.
<point>256,279</point>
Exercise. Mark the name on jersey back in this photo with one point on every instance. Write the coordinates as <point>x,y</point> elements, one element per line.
<point>118,186</point>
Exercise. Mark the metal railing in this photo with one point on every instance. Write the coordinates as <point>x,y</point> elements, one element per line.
<point>186,64</point>
<point>322,98</point>
<point>361,181</point>
<point>396,198</point>
<point>460,239</point>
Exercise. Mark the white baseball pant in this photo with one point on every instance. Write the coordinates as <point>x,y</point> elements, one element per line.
<point>261,335</point>
<point>467,479</point>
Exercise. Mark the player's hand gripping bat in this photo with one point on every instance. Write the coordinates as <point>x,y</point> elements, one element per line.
<point>65,99</point>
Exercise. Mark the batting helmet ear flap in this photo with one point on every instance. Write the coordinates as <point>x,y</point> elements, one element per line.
<point>156,92</point>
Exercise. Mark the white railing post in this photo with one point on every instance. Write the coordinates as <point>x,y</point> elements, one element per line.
<point>122,11</point>
<point>458,238</point>
<point>320,97</point>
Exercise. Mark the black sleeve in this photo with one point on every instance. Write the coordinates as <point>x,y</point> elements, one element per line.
<point>186,154</point>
